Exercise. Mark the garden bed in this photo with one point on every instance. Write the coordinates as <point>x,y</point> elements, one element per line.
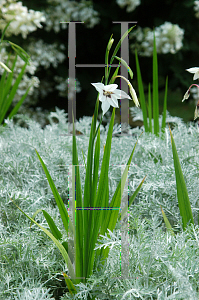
<point>161,266</point>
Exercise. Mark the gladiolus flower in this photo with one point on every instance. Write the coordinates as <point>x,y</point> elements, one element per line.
<point>195,71</point>
<point>109,95</point>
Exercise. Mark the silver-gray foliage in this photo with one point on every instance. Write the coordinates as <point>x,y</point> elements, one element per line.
<point>161,266</point>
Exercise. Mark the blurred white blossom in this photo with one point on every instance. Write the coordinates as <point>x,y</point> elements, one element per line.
<point>168,39</point>
<point>131,4</point>
<point>26,80</point>
<point>66,11</point>
<point>43,54</point>
<point>62,87</point>
<point>19,63</point>
<point>25,21</point>
<point>196,8</point>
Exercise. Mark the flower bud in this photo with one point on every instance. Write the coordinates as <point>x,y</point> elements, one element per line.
<point>186,95</point>
<point>110,44</point>
<point>5,67</point>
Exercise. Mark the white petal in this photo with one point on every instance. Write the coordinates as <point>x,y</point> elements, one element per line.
<point>110,87</point>
<point>196,75</point>
<point>105,107</point>
<point>192,70</point>
<point>102,98</point>
<point>113,101</point>
<point>99,86</point>
<point>121,94</point>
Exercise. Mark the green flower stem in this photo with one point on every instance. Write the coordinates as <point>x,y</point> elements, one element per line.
<point>98,128</point>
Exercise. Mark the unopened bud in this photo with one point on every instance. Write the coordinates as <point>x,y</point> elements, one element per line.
<point>196,113</point>
<point>186,95</point>
<point>5,67</point>
<point>110,44</point>
<point>132,91</point>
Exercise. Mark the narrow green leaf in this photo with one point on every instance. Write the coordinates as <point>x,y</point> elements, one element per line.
<point>16,108</point>
<point>21,52</point>
<point>57,243</point>
<point>84,159</point>
<point>3,33</point>
<point>150,109</point>
<point>106,61</point>
<point>60,204</point>
<point>102,201</point>
<point>165,105</point>
<point>88,179</point>
<point>9,100</point>
<point>2,85</point>
<point>126,65</point>
<point>7,86</point>
<point>141,93</point>
<point>112,215</point>
<point>23,57</point>
<point>34,215</point>
<point>55,231</point>
<point>168,225</point>
<point>120,42</point>
<point>70,285</point>
<point>96,166</point>
<point>118,47</point>
<point>114,75</point>
<point>183,198</point>
<point>155,90</point>
<point>132,198</point>
<point>78,213</point>
<point>89,193</point>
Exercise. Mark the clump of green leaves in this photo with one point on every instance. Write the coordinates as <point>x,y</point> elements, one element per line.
<point>8,89</point>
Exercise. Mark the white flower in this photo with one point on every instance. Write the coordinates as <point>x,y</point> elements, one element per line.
<point>196,8</point>
<point>168,39</point>
<point>66,11</point>
<point>131,4</point>
<point>108,95</point>
<point>195,71</point>
<point>25,21</point>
